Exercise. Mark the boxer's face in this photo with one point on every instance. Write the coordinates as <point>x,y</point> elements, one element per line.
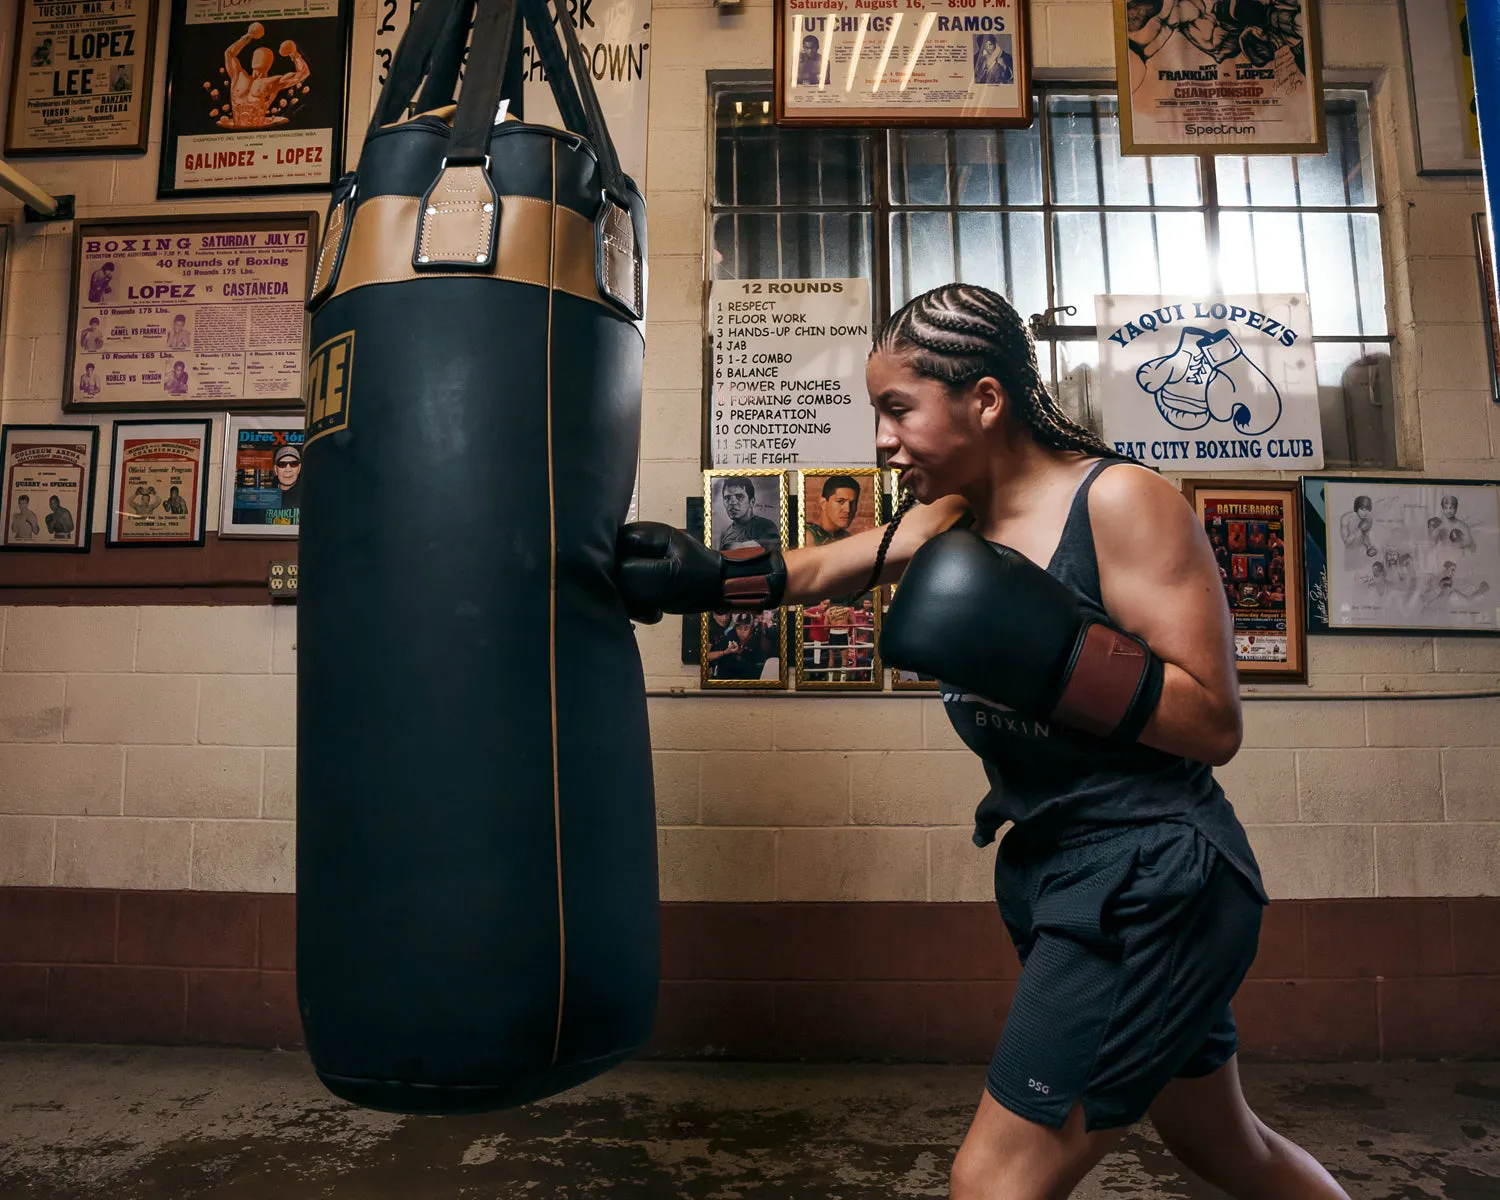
<point>932,434</point>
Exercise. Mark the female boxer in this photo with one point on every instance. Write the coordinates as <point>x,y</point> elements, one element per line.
<point>1071,604</point>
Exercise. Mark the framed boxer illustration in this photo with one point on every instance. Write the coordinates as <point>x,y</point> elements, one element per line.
<point>47,487</point>
<point>158,483</point>
<point>257,97</point>
<point>838,637</point>
<point>1255,529</point>
<point>744,649</point>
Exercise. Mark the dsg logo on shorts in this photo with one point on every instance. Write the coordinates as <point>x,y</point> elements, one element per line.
<point>1039,1087</point>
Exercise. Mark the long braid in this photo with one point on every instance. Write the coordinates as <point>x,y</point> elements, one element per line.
<point>908,498</point>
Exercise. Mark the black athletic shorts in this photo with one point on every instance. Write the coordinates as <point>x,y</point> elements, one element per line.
<point>1132,941</point>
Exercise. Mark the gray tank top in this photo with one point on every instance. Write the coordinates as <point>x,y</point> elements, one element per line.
<point>1057,784</point>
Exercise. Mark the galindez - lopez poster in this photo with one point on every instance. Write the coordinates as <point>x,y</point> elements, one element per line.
<point>257,95</point>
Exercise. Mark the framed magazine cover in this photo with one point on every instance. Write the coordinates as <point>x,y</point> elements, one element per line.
<point>838,638</point>
<point>260,488</point>
<point>741,649</point>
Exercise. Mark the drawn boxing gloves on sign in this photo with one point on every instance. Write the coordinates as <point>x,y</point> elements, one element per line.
<point>1209,377</point>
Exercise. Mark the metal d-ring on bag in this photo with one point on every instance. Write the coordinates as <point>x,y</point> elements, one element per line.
<point>476,837</point>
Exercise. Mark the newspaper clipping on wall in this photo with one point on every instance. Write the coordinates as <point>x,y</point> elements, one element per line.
<point>188,315</point>
<point>787,371</point>
<point>82,82</point>
<point>903,61</point>
<point>1206,76</point>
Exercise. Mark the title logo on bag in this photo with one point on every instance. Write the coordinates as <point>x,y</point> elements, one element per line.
<point>328,386</point>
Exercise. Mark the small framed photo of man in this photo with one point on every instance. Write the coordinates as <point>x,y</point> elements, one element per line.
<point>260,493</point>
<point>744,649</point>
<point>47,487</point>
<point>838,638</point>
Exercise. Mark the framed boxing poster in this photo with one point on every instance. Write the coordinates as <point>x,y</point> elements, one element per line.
<point>905,62</point>
<point>179,313</point>
<point>838,639</point>
<point>1255,528</point>
<point>47,487</point>
<point>158,483</point>
<point>260,487</point>
<point>1440,74</point>
<point>257,97</point>
<point>743,649</point>
<point>80,80</point>
<point>1402,555</point>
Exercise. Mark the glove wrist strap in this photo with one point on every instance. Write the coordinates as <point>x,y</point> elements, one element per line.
<point>754,578</point>
<point>1112,686</point>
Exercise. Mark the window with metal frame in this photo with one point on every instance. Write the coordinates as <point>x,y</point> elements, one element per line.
<point>1051,215</point>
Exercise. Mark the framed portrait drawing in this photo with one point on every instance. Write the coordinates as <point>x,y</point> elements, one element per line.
<point>187,313</point>
<point>838,639</point>
<point>158,483</point>
<point>257,97</point>
<point>260,489</point>
<point>744,650</point>
<point>81,76</point>
<point>47,474</point>
<point>1440,72</point>
<point>906,63</point>
<point>1255,529</point>
<point>1402,555</point>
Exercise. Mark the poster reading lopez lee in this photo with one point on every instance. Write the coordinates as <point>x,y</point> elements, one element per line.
<point>185,314</point>
<point>1205,75</point>
<point>787,365</point>
<point>82,80</point>
<point>256,96</point>
<point>895,61</point>
<point>1210,383</point>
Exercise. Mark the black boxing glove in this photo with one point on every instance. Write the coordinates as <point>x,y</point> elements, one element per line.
<point>989,620</point>
<point>660,569</point>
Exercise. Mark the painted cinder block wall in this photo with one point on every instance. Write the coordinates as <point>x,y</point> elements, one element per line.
<point>150,749</point>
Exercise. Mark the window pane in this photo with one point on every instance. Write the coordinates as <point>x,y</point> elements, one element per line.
<point>1356,403</point>
<point>1334,257</point>
<point>755,164</point>
<point>1087,167</point>
<point>791,245</point>
<point>1077,387</point>
<point>1127,252</point>
<point>988,167</point>
<point>1002,251</point>
<point>1343,177</point>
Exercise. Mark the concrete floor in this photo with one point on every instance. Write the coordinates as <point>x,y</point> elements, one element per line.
<point>127,1123</point>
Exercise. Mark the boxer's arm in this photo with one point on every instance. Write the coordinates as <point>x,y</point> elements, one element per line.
<point>842,567</point>
<point>1160,582</point>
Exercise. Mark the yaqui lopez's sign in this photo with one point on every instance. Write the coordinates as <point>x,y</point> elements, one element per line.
<point>1210,383</point>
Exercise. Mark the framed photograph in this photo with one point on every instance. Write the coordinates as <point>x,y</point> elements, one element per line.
<point>838,639</point>
<point>1255,529</point>
<point>838,63</point>
<point>908,681</point>
<point>1441,77</point>
<point>1484,254</point>
<point>188,313</point>
<point>158,483</point>
<point>743,649</point>
<point>1216,84</point>
<point>80,79</point>
<point>1402,555</point>
<point>257,97</point>
<point>260,488</point>
<point>47,476</point>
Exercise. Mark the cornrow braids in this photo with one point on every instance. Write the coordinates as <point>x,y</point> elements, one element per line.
<point>908,499</point>
<point>960,333</point>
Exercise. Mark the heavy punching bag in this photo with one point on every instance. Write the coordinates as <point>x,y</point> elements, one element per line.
<point>476,839</point>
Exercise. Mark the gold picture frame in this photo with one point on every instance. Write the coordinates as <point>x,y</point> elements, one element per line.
<point>825,512</point>
<point>756,524</point>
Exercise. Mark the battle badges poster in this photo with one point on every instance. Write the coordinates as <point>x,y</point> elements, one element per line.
<point>1206,77</point>
<point>1254,530</point>
<point>256,96</point>
<point>158,483</point>
<point>47,476</point>
<point>81,77</point>
<point>187,314</point>
<point>903,62</point>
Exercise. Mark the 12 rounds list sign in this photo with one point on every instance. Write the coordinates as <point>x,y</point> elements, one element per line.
<point>81,82</point>
<point>181,314</point>
<point>787,364</point>
<point>256,96</point>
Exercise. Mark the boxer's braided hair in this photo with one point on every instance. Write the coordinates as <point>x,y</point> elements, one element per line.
<point>960,333</point>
